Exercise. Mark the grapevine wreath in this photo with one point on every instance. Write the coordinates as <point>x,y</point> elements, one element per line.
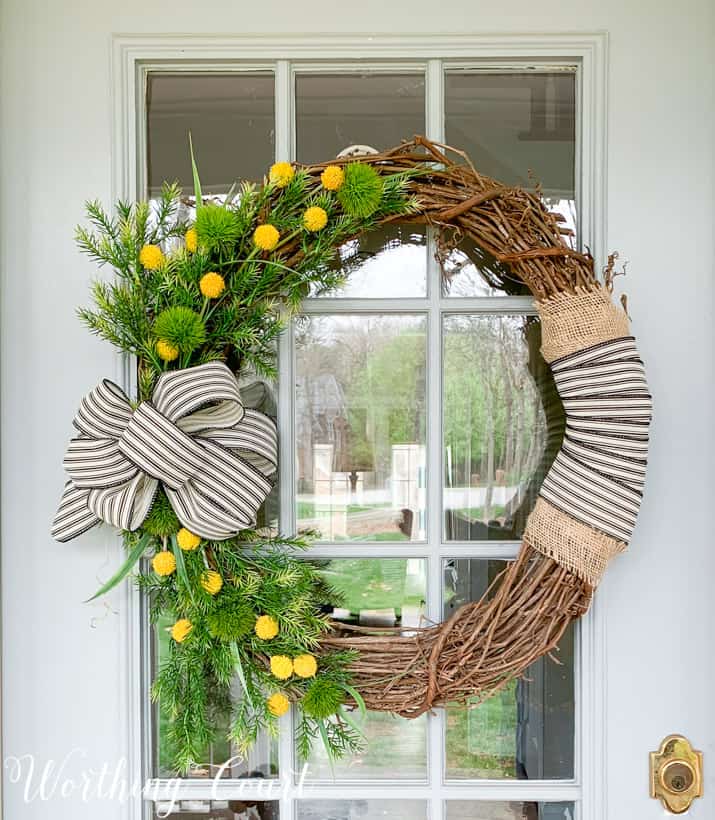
<point>184,470</point>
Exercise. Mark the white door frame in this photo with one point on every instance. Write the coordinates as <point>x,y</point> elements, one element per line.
<point>132,56</point>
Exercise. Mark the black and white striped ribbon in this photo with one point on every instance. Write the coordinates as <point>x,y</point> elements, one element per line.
<point>212,455</point>
<point>598,475</point>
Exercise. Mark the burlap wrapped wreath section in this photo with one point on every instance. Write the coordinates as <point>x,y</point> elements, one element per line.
<point>191,455</point>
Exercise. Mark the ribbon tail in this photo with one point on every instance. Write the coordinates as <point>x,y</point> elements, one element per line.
<point>73,515</point>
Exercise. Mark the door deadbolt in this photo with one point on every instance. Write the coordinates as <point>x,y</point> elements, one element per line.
<point>676,774</point>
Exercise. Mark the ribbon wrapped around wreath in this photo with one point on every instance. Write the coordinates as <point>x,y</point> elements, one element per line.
<point>212,455</point>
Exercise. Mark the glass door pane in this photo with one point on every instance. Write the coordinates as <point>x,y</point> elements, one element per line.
<point>371,809</point>
<point>487,810</point>
<point>519,128</point>
<point>503,424</point>
<point>360,426</point>
<point>232,124</point>
<point>525,731</point>
<point>337,110</point>
<point>378,592</point>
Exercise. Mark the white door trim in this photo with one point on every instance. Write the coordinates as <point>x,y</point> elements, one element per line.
<point>132,56</point>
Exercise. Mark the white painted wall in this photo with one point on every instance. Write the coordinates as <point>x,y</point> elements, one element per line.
<point>62,660</point>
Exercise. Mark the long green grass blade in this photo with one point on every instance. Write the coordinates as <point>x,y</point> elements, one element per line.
<point>357,697</point>
<point>123,571</point>
<point>195,173</point>
<point>344,715</point>
<point>241,674</point>
<point>328,748</point>
<point>181,566</point>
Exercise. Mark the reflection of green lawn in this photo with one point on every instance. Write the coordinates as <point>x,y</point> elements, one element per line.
<point>477,513</point>
<point>376,583</point>
<point>396,748</point>
<point>308,509</point>
<point>392,535</point>
<point>481,742</point>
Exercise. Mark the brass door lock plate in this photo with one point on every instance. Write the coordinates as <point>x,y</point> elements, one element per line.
<point>676,774</point>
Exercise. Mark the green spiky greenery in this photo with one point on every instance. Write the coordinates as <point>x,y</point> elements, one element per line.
<point>222,650</point>
<point>361,192</point>
<point>137,307</point>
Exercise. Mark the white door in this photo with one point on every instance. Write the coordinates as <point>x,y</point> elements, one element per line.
<point>612,131</point>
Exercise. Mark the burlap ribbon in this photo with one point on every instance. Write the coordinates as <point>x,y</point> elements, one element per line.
<point>212,456</point>
<point>591,496</point>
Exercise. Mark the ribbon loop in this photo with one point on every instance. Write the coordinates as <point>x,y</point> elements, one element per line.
<point>213,457</point>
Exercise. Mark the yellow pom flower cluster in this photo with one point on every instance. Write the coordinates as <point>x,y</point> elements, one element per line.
<point>266,627</point>
<point>181,629</point>
<point>266,237</point>
<point>164,563</point>
<point>166,350</point>
<point>281,174</point>
<point>211,581</point>
<point>332,177</point>
<point>151,257</point>
<point>281,667</point>
<point>191,240</point>
<point>305,666</point>
<point>212,285</point>
<point>187,540</point>
<point>315,219</point>
<point>278,704</point>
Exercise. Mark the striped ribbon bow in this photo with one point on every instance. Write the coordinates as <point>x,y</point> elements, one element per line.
<point>598,475</point>
<point>212,456</point>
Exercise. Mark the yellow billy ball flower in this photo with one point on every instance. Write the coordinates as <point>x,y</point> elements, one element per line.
<point>266,627</point>
<point>211,581</point>
<point>278,704</point>
<point>187,540</point>
<point>281,174</point>
<point>305,666</point>
<point>281,667</point>
<point>181,629</point>
<point>191,240</point>
<point>266,237</point>
<point>315,219</point>
<point>166,350</point>
<point>332,177</point>
<point>164,563</point>
<point>151,257</point>
<point>212,285</point>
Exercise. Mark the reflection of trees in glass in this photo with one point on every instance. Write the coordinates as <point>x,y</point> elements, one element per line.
<point>494,423</point>
<point>360,387</point>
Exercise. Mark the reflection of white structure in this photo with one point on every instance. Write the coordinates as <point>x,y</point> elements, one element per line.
<point>408,486</point>
<point>330,494</point>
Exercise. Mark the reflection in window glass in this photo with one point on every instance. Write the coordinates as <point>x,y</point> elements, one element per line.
<point>378,592</point>
<point>503,425</point>
<point>231,120</point>
<point>219,810</point>
<point>525,731</point>
<point>512,125</point>
<point>360,427</point>
<point>487,810</point>
<point>220,759</point>
<point>336,111</point>
<point>372,809</point>
<point>386,263</point>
